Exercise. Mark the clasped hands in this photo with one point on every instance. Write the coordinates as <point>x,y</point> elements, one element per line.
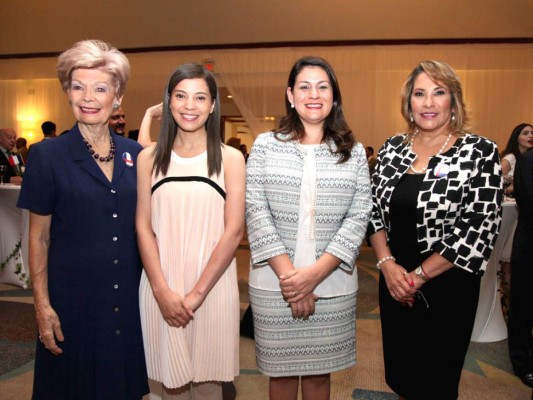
<point>401,284</point>
<point>177,310</point>
<point>297,289</point>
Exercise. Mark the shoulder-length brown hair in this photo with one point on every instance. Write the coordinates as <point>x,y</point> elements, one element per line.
<point>169,128</point>
<point>336,128</point>
<point>442,73</point>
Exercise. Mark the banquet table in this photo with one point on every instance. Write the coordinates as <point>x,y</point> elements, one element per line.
<point>490,325</point>
<point>14,230</point>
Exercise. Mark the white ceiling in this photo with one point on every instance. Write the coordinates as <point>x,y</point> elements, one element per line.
<point>36,26</point>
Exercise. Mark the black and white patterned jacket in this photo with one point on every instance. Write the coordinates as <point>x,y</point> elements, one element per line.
<point>459,204</point>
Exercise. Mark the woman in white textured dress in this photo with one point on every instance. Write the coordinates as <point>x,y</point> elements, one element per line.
<point>308,203</point>
<point>520,141</point>
<point>190,220</point>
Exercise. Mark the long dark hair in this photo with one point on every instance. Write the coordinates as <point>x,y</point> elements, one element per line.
<point>512,144</point>
<point>335,126</point>
<point>169,128</point>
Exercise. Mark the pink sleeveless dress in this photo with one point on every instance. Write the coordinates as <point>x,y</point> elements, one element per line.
<point>188,221</point>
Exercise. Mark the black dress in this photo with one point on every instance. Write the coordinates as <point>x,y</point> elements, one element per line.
<point>424,346</point>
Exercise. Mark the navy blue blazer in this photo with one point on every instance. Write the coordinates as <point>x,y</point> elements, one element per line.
<point>94,268</point>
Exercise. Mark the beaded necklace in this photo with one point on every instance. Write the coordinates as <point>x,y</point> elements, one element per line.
<point>97,156</point>
<point>423,170</point>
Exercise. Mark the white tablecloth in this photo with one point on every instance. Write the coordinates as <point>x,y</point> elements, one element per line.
<point>14,226</point>
<point>490,325</point>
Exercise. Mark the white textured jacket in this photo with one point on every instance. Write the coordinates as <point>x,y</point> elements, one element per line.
<point>273,187</point>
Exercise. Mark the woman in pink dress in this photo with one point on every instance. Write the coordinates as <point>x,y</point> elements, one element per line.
<point>190,220</point>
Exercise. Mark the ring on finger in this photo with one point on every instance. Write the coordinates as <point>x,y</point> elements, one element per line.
<point>294,293</point>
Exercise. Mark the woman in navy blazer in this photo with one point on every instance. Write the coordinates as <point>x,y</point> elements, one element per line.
<point>85,268</point>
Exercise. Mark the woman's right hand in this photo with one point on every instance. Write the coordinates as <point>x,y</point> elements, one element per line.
<point>305,307</point>
<point>173,308</point>
<point>400,288</point>
<point>49,329</point>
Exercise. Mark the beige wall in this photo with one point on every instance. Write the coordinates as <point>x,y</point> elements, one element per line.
<point>36,26</point>
<point>497,81</point>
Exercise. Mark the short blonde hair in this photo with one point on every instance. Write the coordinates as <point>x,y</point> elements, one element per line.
<point>443,73</point>
<point>94,54</point>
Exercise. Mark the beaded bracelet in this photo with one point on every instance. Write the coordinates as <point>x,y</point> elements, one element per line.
<point>378,265</point>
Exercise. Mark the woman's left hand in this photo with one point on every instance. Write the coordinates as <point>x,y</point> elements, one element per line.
<point>298,283</point>
<point>193,301</point>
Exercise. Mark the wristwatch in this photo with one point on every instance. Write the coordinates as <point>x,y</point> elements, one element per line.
<point>420,273</point>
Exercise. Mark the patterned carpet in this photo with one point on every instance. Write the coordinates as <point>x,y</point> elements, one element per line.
<point>486,374</point>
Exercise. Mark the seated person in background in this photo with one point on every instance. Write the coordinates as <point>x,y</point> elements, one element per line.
<point>22,148</point>
<point>13,162</point>
<point>117,121</point>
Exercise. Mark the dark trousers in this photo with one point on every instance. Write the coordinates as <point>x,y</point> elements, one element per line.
<point>521,317</point>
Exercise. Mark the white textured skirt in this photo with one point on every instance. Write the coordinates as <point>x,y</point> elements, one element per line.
<point>288,346</point>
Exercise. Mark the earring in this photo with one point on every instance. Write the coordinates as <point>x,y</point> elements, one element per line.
<point>292,105</point>
<point>116,106</point>
<point>453,116</point>
<point>411,118</point>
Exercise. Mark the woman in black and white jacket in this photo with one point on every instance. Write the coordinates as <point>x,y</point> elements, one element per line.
<point>437,192</point>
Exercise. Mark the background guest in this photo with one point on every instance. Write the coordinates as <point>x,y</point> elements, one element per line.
<point>520,141</point>
<point>437,192</point>
<point>372,161</point>
<point>234,142</point>
<point>84,262</point>
<point>520,322</point>
<point>190,182</point>
<point>117,121</point>
<point>244,151</point>
<point>49,130</point>
<point>11,163</point>
<point>133,134</point>
<point>305,229</point>
<point>22,148</point>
